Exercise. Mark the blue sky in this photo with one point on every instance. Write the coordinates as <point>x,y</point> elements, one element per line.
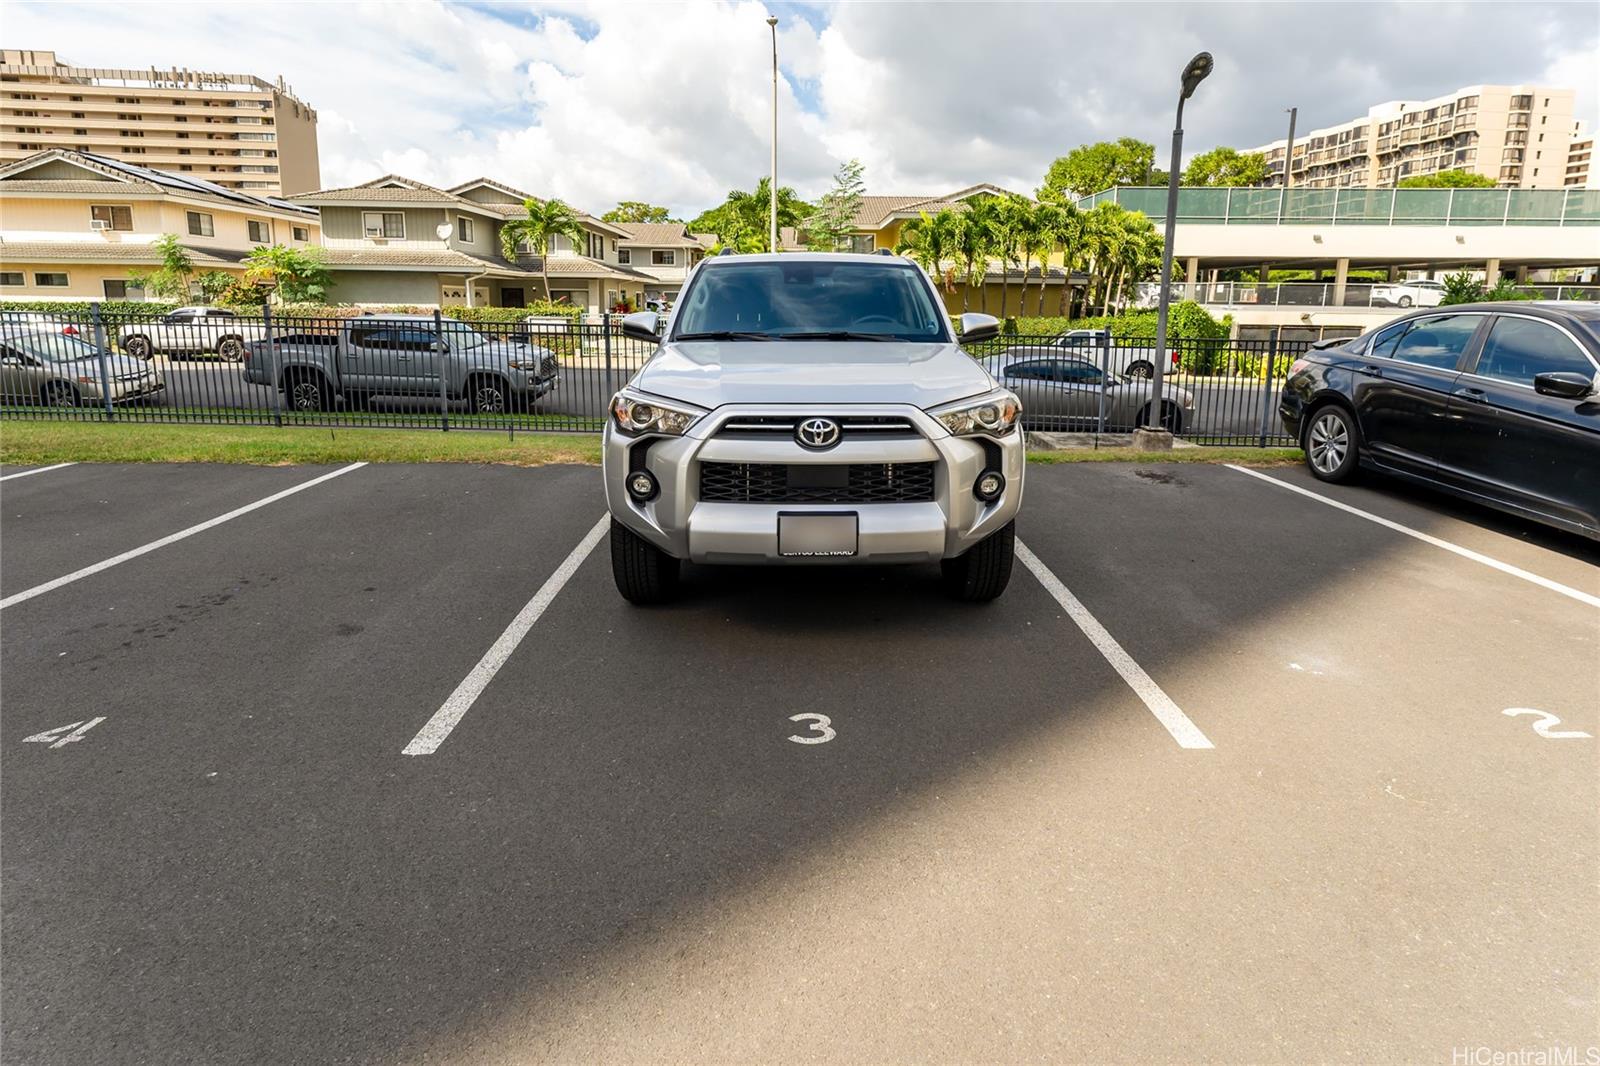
<point>670,102</point>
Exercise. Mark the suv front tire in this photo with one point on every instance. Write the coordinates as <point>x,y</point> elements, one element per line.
<point>983,571</point>
<point>644,573</point>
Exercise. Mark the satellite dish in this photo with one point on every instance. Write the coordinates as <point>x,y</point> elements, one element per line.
<point>444,229</point>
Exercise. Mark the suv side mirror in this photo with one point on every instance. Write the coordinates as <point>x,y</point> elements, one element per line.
<point>1566,385</point>
<point>977,327</point>
<point>642,326</point>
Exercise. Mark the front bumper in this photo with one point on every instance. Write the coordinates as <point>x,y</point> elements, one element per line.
<point>681,524</point>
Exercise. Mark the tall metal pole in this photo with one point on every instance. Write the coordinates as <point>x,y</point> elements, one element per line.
<point>1288,155</point>
<point>1165,298</point>
<point>772,206</point>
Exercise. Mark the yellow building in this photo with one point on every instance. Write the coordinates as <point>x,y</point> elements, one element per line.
<point>234,130</point>
<point>73,226</point>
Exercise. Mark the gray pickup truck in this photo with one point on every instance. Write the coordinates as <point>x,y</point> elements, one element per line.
<point>400,356</point>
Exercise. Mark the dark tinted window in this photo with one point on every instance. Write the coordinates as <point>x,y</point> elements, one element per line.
<point>1078,373</point>
<point>1037,371</point>
<point>888,299</point>
<point>1437,342</point>
<point>1519,348</point>
<point>1383,344</point>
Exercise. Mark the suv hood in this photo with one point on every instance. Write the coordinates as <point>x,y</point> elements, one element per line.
<point>712,373</point>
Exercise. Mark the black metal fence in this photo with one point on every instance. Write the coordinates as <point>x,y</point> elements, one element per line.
<point>433,372</point>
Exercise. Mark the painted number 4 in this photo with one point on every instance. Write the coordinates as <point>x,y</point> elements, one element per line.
<point>1546,720</point>
<point>61,736</point>
<point>821,724</point>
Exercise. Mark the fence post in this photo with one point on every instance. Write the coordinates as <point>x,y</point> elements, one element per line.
<point>443,359</point>
<point>1105,376</point>
<point>1266,401</point>
<point>272,351</point>
<point>605,329</point>
<point>100,348</point>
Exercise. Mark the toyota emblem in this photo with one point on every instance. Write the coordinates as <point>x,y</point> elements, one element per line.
<point>817,433</point>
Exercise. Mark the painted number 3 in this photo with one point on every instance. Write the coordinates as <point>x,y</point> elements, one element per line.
<point>821,724</point>
<point>1546,720</point>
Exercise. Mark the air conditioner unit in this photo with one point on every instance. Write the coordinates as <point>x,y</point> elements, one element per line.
<point>99,224</point>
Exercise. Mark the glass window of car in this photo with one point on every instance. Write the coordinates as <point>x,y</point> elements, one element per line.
<point>462,336</point>
<point>811,296</point>
<point>1519,348</point>
<point>53,347</point>
<point>1038,370</point>
<point>1076,372</point>
<point>1383,344</point>
<point>1438,341</point>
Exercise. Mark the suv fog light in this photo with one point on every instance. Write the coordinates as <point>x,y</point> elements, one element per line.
<point>642,486</point>
<point>989,486</point>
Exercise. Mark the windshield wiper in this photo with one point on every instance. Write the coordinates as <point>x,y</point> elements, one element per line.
<point>724,335</point>
<point>836,335</point>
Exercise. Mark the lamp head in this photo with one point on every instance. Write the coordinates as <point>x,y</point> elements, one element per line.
<point>1196,72</point>
<point>772,20</point>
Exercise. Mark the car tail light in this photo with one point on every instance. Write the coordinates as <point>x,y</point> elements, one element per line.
<point>1174,355</point>
<point>71,331</point>
<point>1297,366</point>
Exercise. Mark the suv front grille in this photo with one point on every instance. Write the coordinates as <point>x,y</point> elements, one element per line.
<point>816,483</point>
<point>852,427</point>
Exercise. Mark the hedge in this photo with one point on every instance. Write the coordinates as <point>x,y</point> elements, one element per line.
<point>116,312</point>
<point>1186,321</point>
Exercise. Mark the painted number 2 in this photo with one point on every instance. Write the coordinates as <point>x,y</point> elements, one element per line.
<point>1546,720</point>
<point>63,735</point>
<point>820,723</point>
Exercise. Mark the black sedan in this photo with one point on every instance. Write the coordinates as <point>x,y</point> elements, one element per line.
<point>1495,402</point>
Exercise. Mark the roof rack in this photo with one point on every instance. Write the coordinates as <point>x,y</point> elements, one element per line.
<point>725,250</point>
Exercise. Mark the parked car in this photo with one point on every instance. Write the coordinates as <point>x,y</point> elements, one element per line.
<point>400,355</point>
<point>1060,392</point>
<point>61,370</point>
<point>1495,402</point>
<point>190,331</point>
<point>811,409</point>
<point>1420,293</point>
<point>1095,345</point>
<point>36,322</point>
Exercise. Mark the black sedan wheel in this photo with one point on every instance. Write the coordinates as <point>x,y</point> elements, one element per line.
<point>1330,444</point>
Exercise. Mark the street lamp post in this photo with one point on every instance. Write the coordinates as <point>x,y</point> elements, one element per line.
<point>1193,75</point>
<point>772,205</point>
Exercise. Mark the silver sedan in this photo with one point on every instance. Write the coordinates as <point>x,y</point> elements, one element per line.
<point>62,371</point>
<point>1062,393</point>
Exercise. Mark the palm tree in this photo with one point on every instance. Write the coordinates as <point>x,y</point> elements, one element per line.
<point>1062,225</point>
<point>547,220</point>
<point>1038,239</point>
<point>1014,216</point>
<point>979,238</point>
<point>923,239</point>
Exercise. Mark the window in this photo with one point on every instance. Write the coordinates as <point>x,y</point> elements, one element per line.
<point>50,281</point>
<point>11,277</point>
<point>886,297</point>
<point>260,232</point>
<point>1519,348</point>
<point>200,224</point>
<point>384,224</point>
<point>1074,372</point>
<point>1383,344</point>
<point>625,256</point>
<point>301,233</point>
<point>111,216</point>
<point>867,243</point>
<point>464,230</point>
<point>1437,342</point>
<point>114,290</point>
<point>394,340</point>
<point>663,257</point>
<point>1035,371</point>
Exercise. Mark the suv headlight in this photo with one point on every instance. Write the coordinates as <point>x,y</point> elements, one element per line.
<point>992,414</point>
<point>635,413</point>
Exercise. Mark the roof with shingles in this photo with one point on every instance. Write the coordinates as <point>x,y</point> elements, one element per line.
<point>449,259</point>
<point>659,235</point>
<point>876,211</point>
<point>107,252</point>
<point>130,179</point>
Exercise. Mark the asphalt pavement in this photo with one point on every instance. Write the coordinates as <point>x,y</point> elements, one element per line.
<point>638,841</point>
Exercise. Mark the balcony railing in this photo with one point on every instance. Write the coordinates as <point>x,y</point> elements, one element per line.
<point>1364,207</point>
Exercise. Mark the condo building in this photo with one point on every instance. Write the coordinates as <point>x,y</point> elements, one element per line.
<point>234,130</point>
<point>1516,135</point>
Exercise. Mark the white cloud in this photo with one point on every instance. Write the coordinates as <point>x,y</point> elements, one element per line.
<point>596,102</point>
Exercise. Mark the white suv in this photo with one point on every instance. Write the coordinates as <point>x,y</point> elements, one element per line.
<point>1419,293</point>
<point>812,408</point>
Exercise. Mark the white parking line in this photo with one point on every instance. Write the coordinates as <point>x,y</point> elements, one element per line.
<point>36,470</point>
<point>171,538</point>
<point>445,719</point>
<point>1465,553</point>
<point>1184,731</point>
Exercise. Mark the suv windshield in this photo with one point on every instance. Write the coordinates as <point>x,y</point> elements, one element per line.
<point>810,299</point>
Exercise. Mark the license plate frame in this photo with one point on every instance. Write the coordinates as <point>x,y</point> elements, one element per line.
<point>819,534</point>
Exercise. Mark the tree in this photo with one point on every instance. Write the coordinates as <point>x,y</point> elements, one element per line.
<point>978,236</point>
<point>834,221</point>
<point>1013,221</point>
<point>1226,166</point>
<point>288,275</point>
<point>1089,168</point>
<point>740,221</point>
<point>1464,288</point>
<point>930,239</point>
<point>173,278</point>
<point>637,211</point>
<point>545,221</point>
<point>1448,179</point>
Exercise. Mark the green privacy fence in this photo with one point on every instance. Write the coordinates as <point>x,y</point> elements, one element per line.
<point>1365,207</point>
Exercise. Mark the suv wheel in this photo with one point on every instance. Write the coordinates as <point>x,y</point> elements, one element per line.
<point>138,346</point>
<point>306,391</point>
<point>1331,441</point>
<point>231,349</point>
<point>1143,369</point>
<point>1405,301</point>
<point>984,571</point>
<point>644,573</point>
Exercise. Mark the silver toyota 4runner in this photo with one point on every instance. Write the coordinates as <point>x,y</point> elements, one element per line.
<point>811,408</point>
